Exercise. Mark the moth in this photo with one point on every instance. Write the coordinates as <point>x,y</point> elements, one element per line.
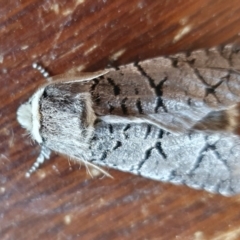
<point>173,119</point>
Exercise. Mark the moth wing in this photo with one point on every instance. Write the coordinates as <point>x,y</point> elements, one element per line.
<point>176,92</point>
<point>198,160</point>
<point>186,88</point>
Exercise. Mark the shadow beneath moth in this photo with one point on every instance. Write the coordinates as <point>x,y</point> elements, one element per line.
<point>173,119</point>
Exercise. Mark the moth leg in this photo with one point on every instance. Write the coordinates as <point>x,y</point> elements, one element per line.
<point>43,71</point>
<point>44,154</point>
<point>114,119</point>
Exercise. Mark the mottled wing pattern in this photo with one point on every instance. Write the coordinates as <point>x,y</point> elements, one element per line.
<point>179,90</point>
<point>193,97</point>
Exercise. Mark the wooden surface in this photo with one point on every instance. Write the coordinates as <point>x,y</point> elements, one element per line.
<point>61,201</point>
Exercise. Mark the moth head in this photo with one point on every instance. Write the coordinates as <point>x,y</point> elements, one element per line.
<point>28,115</point>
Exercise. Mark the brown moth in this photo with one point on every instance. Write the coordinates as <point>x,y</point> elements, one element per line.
<point>172,119</point>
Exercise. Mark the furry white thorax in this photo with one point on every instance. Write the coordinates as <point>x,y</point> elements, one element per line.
<point>28,115</point>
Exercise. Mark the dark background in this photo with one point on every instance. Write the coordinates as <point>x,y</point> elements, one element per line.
<point>61,201</point>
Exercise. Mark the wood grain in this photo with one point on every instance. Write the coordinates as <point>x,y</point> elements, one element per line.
<point>61,201</point>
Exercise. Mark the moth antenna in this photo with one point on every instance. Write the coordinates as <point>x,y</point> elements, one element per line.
<point>44,154</point>
<point>42,70</point>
